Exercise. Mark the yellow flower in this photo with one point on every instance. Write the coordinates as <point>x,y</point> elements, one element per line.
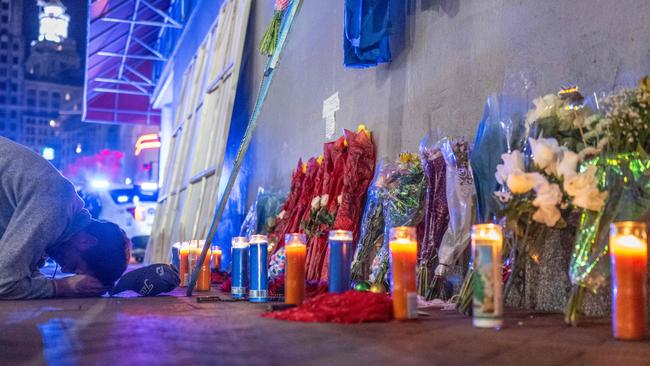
<point>406,157</point>
<point>320,159</point>
<point>363,128</point>
<point>644,84</point>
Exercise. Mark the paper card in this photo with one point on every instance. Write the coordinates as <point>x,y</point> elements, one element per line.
<point>330,126</point>
<point>331,105</point>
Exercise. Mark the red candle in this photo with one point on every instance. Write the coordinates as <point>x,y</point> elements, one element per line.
<point>404,250</point>
<point>294,283</point>
<point>628,246</point>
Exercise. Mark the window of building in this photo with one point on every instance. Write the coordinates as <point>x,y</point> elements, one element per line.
<point>2,125</point>
<point>3,59</point>
<point>14,100</point>
<point>5,19</point>
<point>13,114</point>
<point>42,99</point>
<point>13,127</point>
<point>56,100</point>
<point>14,87</point>
<point>15,60</point>
<point>3,99</point>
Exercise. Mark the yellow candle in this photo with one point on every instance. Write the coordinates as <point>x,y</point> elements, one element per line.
<point>487,243</point>
<point>184,270</point>
<point>216,258</point>
<point>403,247</point>
<point>294,283</point>
<point>628,246</point>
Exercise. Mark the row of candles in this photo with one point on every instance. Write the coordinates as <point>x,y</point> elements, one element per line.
<point>189,253</point>
<point>627,244</point>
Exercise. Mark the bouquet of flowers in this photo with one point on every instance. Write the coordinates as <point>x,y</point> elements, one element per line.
<point>436,212</point>
<point>400,187</point>
<point>325,205</point>
<point>460,201</point>
<point>623,169</point>
<point>372,232</point>
<point>540,190</point>
<point>270,38</point>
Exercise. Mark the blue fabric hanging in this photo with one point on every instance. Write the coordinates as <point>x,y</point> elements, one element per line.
<point>365,38</point>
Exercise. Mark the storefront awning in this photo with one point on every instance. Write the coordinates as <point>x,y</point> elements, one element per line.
<point>120,58</point>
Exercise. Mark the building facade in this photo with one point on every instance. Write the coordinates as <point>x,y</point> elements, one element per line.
<point>41,87</point>
<point>11,68</point>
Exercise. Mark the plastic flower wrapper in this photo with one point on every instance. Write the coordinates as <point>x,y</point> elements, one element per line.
<point>335,155</point>
<point>400,187</point>
<point>276,236</point>
<point>623,170</point>
<point>372,231</point>
<point>500,130</point>
<point>262,214</point>
<point>436,213</point>
<point>357,176</point>
<point>460,194</point>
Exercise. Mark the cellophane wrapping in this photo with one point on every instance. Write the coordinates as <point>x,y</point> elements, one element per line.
<point>400,187</point>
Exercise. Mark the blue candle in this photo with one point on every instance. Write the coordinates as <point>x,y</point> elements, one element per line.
<point>340,248</point>
<point>239,267</point>
<point>259,284</point>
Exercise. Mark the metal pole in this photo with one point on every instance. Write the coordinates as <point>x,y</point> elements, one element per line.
<point>290,15</point>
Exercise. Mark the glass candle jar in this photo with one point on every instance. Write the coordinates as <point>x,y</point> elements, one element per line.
<point>340,252</point>
<point>259,283</point>
<point>487,244</point>
<point>403,247</point>
<point>628,247</point>
<point>240,248</point>
<point>296,253</point>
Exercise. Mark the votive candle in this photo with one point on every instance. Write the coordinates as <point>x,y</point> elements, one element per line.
<point>487,244</point>
<point>216,258</point>
<point>294,283</point>
<point>191,260</point>
<point>259,283</point>
<point>628,247</point>
<point>184,253</point>
<point>340,252</point>
<point>205,277</point>
<point>240,247</point>
<point>403,247</point>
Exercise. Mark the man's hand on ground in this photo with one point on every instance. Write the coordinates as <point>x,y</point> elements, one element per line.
<point>79,286</point>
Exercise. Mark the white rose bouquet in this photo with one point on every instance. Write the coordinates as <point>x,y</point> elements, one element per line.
<point>550,185</point>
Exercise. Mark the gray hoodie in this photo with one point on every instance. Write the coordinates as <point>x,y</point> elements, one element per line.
<point>39,208</point>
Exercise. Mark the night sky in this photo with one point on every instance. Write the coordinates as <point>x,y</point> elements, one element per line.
<point>77,9</point>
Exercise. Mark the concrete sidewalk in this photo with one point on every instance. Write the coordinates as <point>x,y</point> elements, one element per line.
<point>175,330</point>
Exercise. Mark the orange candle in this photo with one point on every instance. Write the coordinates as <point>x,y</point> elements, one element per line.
<point>294,283</point>
<point>203,282</point>
<point>184,270</point>
<point>216,259</point>
<point>404,249</point>
<point>628,246</point>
